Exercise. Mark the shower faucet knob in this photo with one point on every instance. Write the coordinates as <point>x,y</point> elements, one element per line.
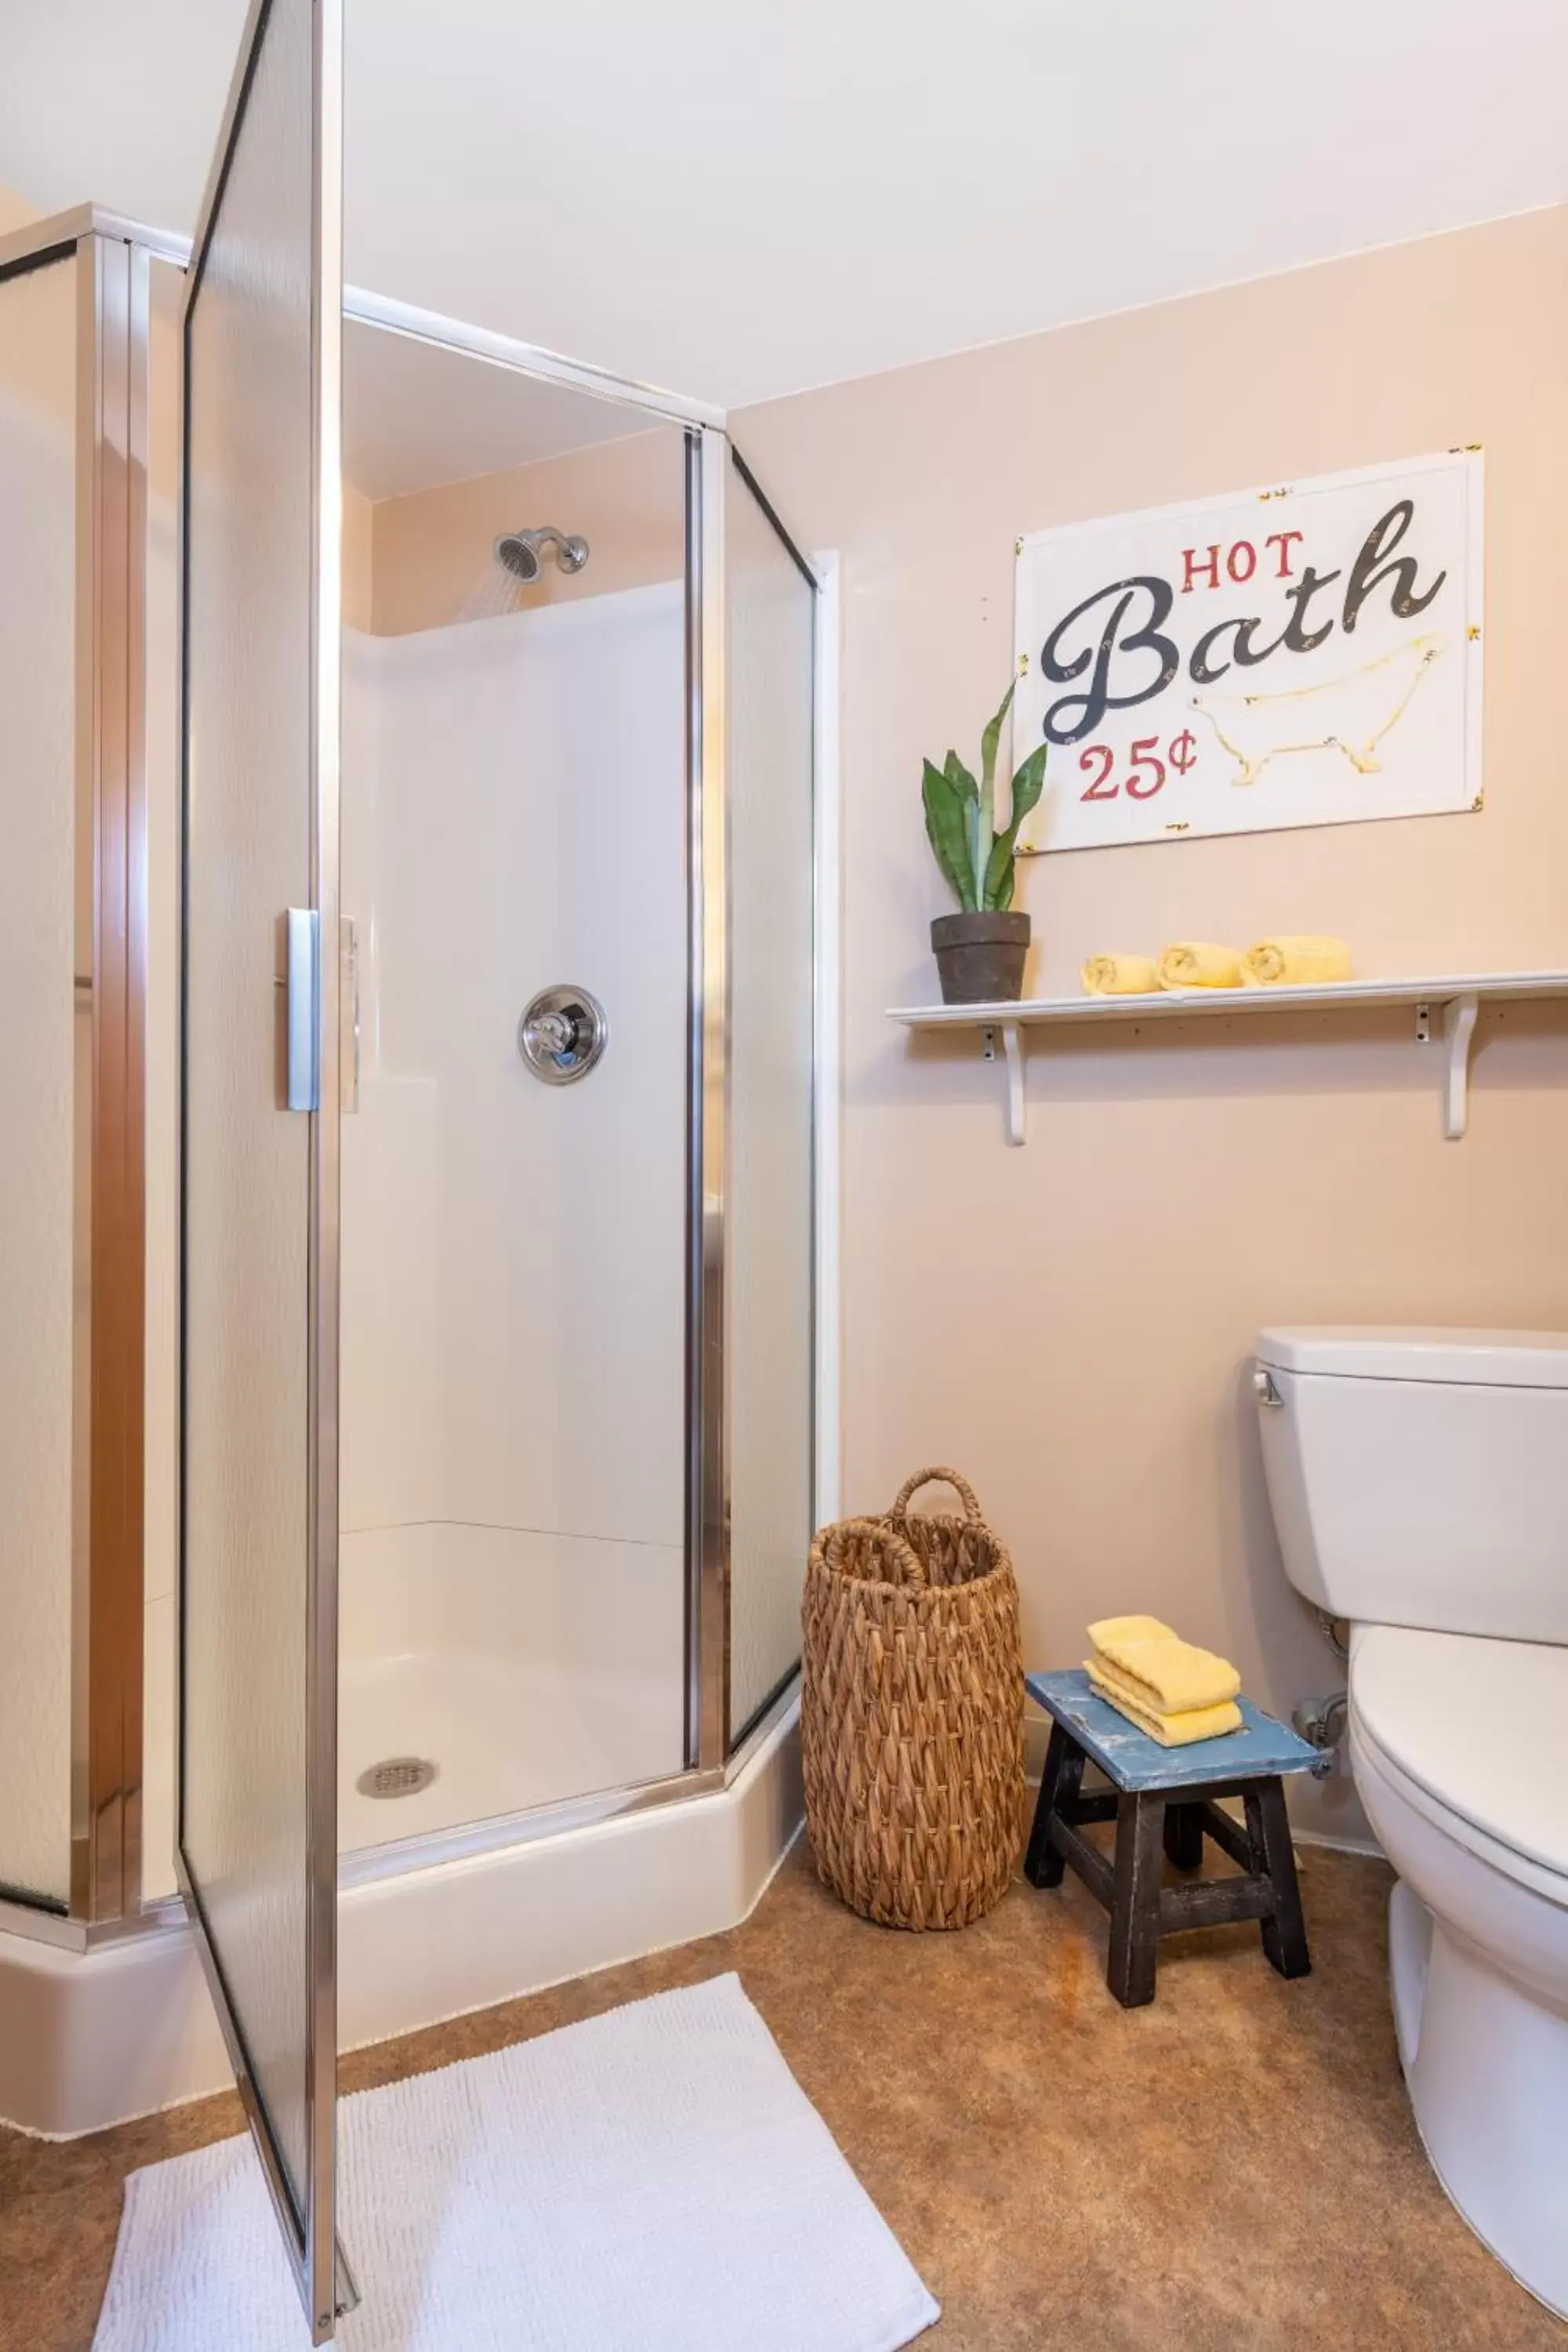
<point>556,1031</point>
<point>563,1034</point>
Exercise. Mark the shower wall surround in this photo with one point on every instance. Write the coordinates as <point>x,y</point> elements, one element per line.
<point>513,1253</point>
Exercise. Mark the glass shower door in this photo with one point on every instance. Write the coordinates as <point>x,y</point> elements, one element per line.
<point>261,1114</point>
<point>770,636</point>
<point>42,1066</point>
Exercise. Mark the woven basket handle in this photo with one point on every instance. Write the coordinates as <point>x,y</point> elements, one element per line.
<point>900,1558</point>
<point>952,1478</point>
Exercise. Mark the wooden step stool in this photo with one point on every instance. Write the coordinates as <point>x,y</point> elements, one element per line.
<point>1164,1801</point>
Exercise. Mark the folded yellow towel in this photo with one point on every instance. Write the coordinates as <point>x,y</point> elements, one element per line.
<point>1170,1730</point>
<point>1165,1675</point>
<point>1129,1692</point>
<point>1129,1629</point>
<point>1196,963</point>
<point>1120,975</point>
<point>1298,960</point>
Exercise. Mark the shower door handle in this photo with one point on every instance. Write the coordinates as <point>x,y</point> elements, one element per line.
<point>303,986</point>
<point>347,1013</point>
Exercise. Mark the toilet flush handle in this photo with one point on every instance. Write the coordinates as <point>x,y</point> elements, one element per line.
<point>1263,1386</point>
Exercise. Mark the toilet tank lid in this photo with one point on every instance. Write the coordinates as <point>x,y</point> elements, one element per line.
<point>1512,1359</point>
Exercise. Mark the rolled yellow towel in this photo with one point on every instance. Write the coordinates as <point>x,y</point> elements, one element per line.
<point>1300,959</point>
<point>1120,975</point>
<point>1165,1675</point>
<point>1170,1730</point>
<point>1198,963</point>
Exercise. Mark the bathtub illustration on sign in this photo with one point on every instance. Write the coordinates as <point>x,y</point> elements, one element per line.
<point>1351,713</point>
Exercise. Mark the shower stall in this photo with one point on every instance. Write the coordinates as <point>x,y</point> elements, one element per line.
<point>577,1013</point>
<point>472,1215</point>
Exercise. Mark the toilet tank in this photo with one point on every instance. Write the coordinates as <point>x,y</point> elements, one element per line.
<point>1420,1477</point>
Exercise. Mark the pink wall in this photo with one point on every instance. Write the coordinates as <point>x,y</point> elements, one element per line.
<point>1072,1322</point>
<point>15,211</point>
<point>433,562</point>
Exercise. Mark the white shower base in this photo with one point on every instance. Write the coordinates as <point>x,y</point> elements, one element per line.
<point>529,1668</point>
<point>494,1751</point>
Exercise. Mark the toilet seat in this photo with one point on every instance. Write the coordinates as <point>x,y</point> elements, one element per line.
<point>1474,1732</point>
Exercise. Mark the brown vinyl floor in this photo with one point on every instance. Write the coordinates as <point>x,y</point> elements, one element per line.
<point>1235,2166</point>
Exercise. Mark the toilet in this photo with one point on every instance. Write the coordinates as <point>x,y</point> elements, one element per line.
<point>1419,1484</point>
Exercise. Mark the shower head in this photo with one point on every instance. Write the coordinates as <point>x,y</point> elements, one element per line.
<point>515,554</point>
<point>522,552</point>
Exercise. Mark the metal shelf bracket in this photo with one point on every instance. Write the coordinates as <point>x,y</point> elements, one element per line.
<point>1460,1014</point>
<point>1013,1051</point>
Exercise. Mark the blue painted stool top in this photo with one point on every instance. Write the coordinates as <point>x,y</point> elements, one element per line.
<point>1132,1760</point>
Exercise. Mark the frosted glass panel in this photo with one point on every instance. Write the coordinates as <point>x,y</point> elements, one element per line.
<point>246,1161</point>
<point>769,1299</point>
<point>38,701</point>
<point>162,1081</point>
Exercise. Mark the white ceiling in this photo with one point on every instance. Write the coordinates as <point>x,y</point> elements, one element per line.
<point>742,197</point>
<point>415,415</point>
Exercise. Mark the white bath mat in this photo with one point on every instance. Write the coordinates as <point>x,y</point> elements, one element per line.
<point>652,2181</point>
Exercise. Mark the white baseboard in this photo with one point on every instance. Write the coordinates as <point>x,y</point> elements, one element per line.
<point>1367,1847</point>
<point>90,2039</point>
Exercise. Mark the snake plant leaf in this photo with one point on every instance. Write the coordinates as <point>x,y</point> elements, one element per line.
<point>1028,786</point>
<point>959,777</point>
<point>999,875</point>
<point>992,736</point>
<point>977,825</point>
<point>985,828</point>
<point>947,829</point>
<point>1029,783</point>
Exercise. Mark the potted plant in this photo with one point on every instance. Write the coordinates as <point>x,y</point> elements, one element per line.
<point>980,952</point>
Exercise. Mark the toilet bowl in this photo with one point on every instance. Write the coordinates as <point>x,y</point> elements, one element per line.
<point>1419,1483</point>
<point>1479,1923</point>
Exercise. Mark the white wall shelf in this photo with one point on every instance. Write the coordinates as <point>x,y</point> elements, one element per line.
<point>1455,997</point>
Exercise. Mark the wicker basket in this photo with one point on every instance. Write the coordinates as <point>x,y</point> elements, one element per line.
<point>912,1713</point>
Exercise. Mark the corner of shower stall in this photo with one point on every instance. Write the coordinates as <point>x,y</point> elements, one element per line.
<point>538,1772</point>
<point>585,1398</point>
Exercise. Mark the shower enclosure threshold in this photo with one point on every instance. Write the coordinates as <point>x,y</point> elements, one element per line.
<point>91,2039</point>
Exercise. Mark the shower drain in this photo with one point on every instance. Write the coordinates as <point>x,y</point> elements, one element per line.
<point>397,1776</point>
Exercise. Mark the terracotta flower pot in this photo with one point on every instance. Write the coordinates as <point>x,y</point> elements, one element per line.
<point>980,958</point>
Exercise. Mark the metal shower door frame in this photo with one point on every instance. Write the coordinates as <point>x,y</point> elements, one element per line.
<point>707,1109</point>
<point>111,258</point>
<point>309,2226</point>
<point>712,1739</point>
<point>709,456</point>
<point>106,1642</point>
<point>824,927</point>
<point>106,1760</point>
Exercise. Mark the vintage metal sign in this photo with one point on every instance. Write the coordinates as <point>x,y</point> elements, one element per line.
<point>1301,655</point>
